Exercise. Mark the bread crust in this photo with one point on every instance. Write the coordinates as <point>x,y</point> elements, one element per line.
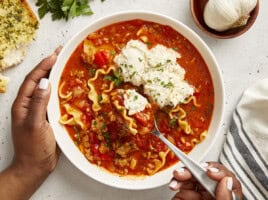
<point>3,83</point>
<point>18,25</point>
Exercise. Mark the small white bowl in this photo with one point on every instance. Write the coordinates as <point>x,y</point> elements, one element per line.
<point>71,151</point>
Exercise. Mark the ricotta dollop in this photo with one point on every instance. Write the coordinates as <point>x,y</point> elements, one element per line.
<point>134,102</point>
<point>157,70</point>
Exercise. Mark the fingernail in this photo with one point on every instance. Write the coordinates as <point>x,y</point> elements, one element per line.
<point>230,183</point>
<point>57,51</point>
<point>54,55</point>
<point>214,170</point>
<point>204,165</point>
<point>173,184</point>
<point>180,170</point>
<point>43,84</point>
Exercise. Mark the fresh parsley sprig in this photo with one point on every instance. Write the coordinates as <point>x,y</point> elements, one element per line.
<point>63,9</point>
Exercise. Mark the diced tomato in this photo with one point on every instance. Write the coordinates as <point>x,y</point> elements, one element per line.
<point>120,99</point>
<point>196,120</point>
<point>163,126</point>
<point>87,108</point>
<point>142,142</point>
<point>101,58</point>
<point>207,84</point>
<point>197,94</point>
<point>113,130</point>
<point>93,138</point>
<point>157,144</point>
<point>95,149</point>
<point>106,157</point>
<point>86,119</point>
<point>142,117</point>
<point>184,147</point>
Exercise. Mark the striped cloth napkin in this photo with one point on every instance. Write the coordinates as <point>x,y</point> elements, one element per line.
<point>245,151</point>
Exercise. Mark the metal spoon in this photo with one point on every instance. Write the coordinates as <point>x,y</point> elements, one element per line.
<point>197,171</point>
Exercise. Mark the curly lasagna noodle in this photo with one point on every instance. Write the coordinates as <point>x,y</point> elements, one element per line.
<point>118,80</point>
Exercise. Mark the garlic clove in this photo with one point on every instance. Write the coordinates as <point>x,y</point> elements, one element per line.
<point>247,6</point>
<point>222,15</point>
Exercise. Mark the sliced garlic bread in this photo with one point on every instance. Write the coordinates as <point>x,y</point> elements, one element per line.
<point>18,26</point>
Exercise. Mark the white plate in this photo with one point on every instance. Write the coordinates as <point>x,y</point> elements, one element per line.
<point>71,151</point>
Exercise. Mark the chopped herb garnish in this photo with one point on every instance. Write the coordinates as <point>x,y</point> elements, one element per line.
<point>148,43</point>
<point>117,82</point>
<point>168,85</point>
<point>157,79</point>
<point>92,71</point>
<point>115,78</point>
<point>76,129</point>
<point>117,73</point>
<point>99,98</point>
<point>107,138</point>
<point>173,122</point>
<point>158,65</point>
<point>77,134</point>
<point>104,126</point>
<point>168,61</point>
<point>108,78</point>
<point>112,52</point>
<point>160,69</point>
<point>209,110</point>
<point>133,73</point>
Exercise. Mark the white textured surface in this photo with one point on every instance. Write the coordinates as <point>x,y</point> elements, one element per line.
<point>243,61</point>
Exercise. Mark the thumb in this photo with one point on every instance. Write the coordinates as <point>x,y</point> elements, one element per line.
<point>39,101</point>
<point>224,189</point>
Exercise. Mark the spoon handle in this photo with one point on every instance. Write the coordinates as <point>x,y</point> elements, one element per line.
<point>197,171</point>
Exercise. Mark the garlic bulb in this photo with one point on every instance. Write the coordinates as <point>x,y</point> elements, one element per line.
<point>222,15</point>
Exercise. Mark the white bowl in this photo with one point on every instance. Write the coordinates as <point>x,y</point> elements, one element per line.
<point>77,158</point>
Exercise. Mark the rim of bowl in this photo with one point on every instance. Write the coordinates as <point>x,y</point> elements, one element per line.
<point>228,34</point>
<point>71,151</point>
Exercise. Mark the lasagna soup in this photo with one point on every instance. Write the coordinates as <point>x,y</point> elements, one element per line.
<point>122,77</point>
